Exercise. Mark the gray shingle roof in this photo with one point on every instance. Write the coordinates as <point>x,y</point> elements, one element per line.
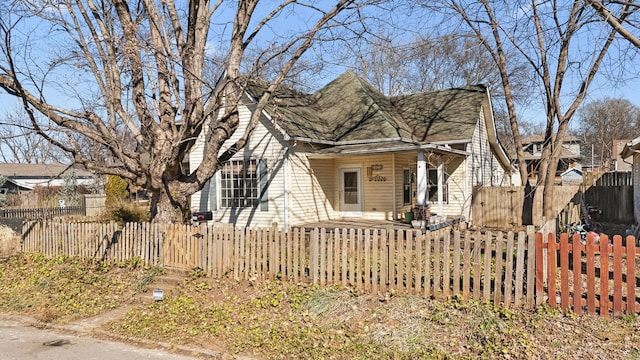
<point>348,109</point>
<point>41,171</point>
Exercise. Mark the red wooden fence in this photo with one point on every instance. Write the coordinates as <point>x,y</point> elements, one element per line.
<point>595,277</point>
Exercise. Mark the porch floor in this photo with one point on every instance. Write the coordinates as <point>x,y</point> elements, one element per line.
<point>355,223</point>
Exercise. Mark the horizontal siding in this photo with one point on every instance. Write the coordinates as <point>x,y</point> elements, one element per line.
<point>262,144</point>
<point>311,189</point>
<point>377,185</point>
<point>459,198</point>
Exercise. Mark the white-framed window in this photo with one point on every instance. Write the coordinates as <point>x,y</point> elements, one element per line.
<point>240,185</point>
<point>406,186</point>
<point>4,191</point>
<point>432,186</point>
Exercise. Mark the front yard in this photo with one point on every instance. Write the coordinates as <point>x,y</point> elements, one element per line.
<point>275,320</point>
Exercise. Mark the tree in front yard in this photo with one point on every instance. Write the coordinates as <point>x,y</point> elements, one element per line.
<point>129,85</point>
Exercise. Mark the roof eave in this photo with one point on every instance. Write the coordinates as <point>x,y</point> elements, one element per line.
<point>631,148</point>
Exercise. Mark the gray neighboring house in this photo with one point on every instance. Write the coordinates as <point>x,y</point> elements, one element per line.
<point>632,149</point>
<point>25,177</point>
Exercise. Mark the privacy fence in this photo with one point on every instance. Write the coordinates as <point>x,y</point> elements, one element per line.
<point>498,267</point>
<point>515,206</point>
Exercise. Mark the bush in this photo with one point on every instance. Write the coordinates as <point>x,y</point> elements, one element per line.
<point>124,212</point>
<point>116,189</point>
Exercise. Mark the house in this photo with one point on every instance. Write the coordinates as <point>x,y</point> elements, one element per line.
<point>25,177</point>
<point>570,155</point>
<point>571,176</point>
<point>347,151</point>
<point>621,163</point>
<point>632,150</point>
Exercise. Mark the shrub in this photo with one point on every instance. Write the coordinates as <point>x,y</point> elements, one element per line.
<point>124,212</point>
<point>116,189</point>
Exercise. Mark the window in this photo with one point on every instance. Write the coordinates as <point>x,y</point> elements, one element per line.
<point>432,186</point>
<point>240,184</point>
<point>406,186</point>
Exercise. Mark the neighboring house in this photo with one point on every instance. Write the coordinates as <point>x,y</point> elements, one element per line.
<point>571,176</point>
<point>24,177</point>
<point>632,150</point>
<point>569,157</point>
<point>347,151</point>
<point>621,163</point>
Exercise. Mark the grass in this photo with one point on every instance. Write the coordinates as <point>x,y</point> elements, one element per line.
<point>276,320</point>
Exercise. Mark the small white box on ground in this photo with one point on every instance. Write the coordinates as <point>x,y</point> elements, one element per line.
<point>158,295</point>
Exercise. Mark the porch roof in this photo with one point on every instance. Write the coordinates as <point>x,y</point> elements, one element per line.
<point>385,147</point>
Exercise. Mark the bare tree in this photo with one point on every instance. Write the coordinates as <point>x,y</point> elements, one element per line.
<point>431,62</point>
<point>20,143</point>
<point>622,16</point>
<point>565,47</point>
<point>138,69</point>
<point>603,121</point>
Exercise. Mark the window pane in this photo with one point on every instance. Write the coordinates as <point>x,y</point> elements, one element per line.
<point>351,188</point>
<point>239,183</point>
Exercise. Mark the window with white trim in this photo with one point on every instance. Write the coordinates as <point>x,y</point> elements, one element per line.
<point>432,186</point>
<point>240,184</point>
<point>406,186</point>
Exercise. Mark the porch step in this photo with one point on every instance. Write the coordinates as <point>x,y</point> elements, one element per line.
<point>165,282</point>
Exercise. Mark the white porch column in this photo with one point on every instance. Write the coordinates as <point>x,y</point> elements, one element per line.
<point>440,186</point>
<point>422,179</point>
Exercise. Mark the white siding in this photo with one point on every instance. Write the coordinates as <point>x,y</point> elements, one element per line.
<point>263,144</point>
<point>485,168</point>
<point>311,189</point>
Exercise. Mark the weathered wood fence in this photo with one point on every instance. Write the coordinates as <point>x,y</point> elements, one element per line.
<point>497,267</point>
<point>506,268</point>
<point>41,213</point>
<point>505,206</point>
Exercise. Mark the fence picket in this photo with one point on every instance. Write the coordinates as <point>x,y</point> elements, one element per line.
<point>520,262</point>
<point>617,276</point>
<point>487,266</point>
<point>591,276</point>
<point>446,264</point>
<point>604,276</point>
<point>631,275</point>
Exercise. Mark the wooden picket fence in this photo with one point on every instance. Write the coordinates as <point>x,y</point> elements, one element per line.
<point>41,213</point>
<point>588,278</point>
<point>485,266</point>
<point>106,241</point>
<point>506,268</point>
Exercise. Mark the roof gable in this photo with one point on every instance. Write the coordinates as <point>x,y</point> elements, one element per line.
<point>349,109</point>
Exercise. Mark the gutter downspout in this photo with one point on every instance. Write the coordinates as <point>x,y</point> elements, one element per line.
<point>285,181</point>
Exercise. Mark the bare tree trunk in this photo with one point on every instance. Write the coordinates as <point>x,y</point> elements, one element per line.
<point>168,209</point>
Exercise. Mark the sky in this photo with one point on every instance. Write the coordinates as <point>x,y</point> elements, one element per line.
<point>74,80</point>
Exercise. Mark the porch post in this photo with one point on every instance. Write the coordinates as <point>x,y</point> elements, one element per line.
<point>422,179</point>
<point>440,186</point>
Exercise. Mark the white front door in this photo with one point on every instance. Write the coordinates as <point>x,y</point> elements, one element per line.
<point>351,192</point>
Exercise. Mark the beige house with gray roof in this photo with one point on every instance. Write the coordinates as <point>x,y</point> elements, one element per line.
<point>347,151</point>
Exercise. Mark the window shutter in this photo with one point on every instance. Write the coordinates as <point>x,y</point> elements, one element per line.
<point>263,178</point>
<point>204,197</point>
<point>213,193</point>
